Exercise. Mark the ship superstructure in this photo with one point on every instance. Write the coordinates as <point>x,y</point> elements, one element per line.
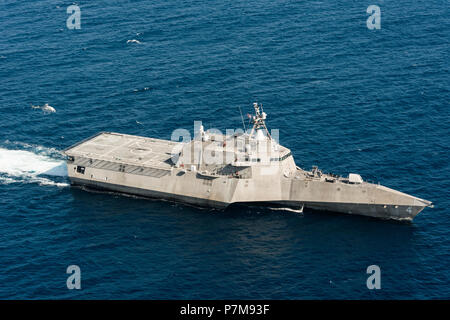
<point>217,170</point>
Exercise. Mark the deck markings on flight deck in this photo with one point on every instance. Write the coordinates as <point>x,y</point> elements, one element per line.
<point>137,148</point>
<point>117,148</point>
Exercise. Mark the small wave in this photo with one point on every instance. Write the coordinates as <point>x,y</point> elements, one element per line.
<point>134,41</point>
<point>34,165</point>
<point>33,148</point>
<point>46,108</point>
<point>141,90</point>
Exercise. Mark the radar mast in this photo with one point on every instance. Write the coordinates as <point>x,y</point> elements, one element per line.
<point>258,120</point>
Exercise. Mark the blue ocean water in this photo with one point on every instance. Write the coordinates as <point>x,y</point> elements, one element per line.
<point>345,98</point>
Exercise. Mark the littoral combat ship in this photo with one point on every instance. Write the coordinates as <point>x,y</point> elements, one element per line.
<point>216,170</point>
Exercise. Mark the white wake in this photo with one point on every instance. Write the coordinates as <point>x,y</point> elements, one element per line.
<point>37,164</point>
<point>287,209</point>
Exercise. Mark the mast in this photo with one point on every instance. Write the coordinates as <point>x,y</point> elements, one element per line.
<point>258,120</point>
<point>242,118</point>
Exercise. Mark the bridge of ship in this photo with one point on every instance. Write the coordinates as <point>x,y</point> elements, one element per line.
<point>233,151</point>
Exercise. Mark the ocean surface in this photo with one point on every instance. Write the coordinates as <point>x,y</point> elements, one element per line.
<point>344,97</point>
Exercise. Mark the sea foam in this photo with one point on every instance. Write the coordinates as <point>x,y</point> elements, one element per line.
<point>36,165</point>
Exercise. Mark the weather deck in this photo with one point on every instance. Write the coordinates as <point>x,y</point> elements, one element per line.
<point>109,147</point>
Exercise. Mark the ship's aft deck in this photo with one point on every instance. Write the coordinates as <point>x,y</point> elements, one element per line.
<point>125,149</point>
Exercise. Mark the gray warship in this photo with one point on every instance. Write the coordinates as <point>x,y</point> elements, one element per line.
<point>215,170</point>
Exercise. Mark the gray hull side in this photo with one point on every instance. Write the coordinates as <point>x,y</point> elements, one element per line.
<point>406,213</point>
<point>377,211</point>
<point>401,212</point>
<point>148,193</point>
